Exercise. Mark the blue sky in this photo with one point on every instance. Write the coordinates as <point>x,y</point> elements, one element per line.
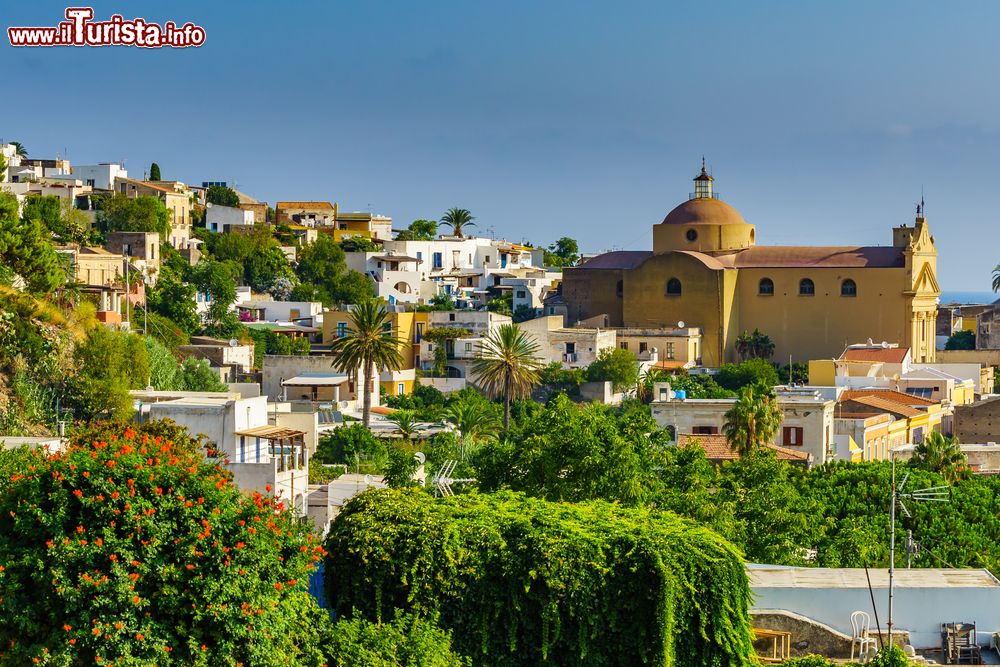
<point>822,122</point>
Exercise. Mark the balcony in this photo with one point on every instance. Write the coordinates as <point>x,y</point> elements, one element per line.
<point>569,358</point>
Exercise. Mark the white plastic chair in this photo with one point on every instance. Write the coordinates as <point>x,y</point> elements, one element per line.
<point>861,624</point>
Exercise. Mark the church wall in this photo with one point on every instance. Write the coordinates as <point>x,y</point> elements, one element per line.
<point>821,326</point>
<point>592,292</point>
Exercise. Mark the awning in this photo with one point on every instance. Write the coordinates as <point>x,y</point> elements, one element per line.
<point>397,258</point>
<point>315,380</point>
<point>271,433</point>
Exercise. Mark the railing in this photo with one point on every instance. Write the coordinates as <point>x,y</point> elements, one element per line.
<point>703,195</point>
<point>569,358</point>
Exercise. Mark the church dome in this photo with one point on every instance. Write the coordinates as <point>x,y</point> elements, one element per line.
<point>704,211</point>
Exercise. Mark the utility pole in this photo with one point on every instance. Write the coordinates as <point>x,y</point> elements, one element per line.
<point>892,545</point>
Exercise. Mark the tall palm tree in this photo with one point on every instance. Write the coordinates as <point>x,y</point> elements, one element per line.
<point>754,345</point>
<point>943,455</point>
<point>458,219</point>
<point>19,149</point>
<point>996,278</point>
<point>507,366</point>
<point>369,345</point>
<point>644,388</point>
<point>752,422</point>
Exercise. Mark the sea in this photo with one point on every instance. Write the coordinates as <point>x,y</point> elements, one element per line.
<point>968,297</point>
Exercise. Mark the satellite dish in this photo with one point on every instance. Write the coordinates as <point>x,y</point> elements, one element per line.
<point>680,325</point>
<point>233,342</point>
<point>419,456</point>
<point>368,480</point>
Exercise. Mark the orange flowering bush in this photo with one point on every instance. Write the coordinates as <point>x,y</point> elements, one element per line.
<point>132,549</point>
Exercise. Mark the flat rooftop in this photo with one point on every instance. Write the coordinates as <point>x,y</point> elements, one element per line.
<point>773,576</point>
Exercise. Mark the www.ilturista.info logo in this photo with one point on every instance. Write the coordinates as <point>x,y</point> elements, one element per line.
<point>81,30</point>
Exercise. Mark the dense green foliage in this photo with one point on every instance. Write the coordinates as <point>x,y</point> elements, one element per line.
<point>119,213</point>
<point>222,196</point>
<point>698,386</point>
<point>154,172</point>
<point>752,371</point>
<point>754,345</point>
<point>419,230</point>
<point>109,364</point>
<point>325,277</point>
<point>753,420</point>
<point>457,219</point>
<point>617,366</point>
<point>131,549</point>
<point>564,252</point>
<point>353,446</point>
<point>359,244</point>
<point>268,342</point>
<point>256,252</point>
<point>961,340</point>
<point>26,248</point>
<point>592,584</point>
<point>406,641</point>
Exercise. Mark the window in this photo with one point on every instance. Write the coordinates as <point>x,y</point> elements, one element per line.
<point>379,264</point>
<point>692,235</point>
<point>642,347</point>
<point>90,182</point>
<point>670,350</point>
<point>387,327</point>
<point>400,389</point>
<point>623,345</point>
<point>570,348</point>
<point>765,287</point>
<point>705,430</point>
<point>420,255</point>
<point>451,317</point>
<point>848,288</point>
<point>521,294</point>
<point>419,332</point>
<point>438,262</point>
<point>791,435</point>
<point>468,347</point>
<point>673,287</point>
<point>806,287</point>
<point>487,259</point>
<point>619,289</point>
<point>341,329</point>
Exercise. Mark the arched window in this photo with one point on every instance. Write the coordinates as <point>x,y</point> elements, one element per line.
<point>673,287</point>
<point>619,289</point>
<point>806,287</point>
<point>848,288</point>
<point>765,287</point>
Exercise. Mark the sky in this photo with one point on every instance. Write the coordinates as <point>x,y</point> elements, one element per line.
<point>823,123</point>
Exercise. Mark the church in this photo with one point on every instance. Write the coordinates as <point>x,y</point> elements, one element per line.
<point>706,270</point>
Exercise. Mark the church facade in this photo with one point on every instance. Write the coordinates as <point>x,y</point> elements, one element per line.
<point>707,271</point>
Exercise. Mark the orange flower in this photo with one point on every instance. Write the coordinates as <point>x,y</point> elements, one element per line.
<point>67,627</point>
<point>139,636</point>
<point>135,599</point>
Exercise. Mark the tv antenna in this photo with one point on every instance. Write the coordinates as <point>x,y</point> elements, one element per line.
<point>938,494</point>
<point>443,480</point>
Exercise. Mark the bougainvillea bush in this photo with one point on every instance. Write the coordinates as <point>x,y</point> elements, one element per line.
<point>519,580</point>
<point>132,549</point>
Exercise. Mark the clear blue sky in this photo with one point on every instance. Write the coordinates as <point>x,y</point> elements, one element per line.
<point>821,121</point>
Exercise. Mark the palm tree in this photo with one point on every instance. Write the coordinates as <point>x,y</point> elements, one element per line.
<point>754,345</point>
<point>943,455</point>
<point>996,278</point>
<point>369,346</point>
<point>507,366</point>
<point>752,422</point>
<point>644,388</point>
<point>406,423</point>
<point>474,419</point>
<point>458,219</point>
<point>19,149</point>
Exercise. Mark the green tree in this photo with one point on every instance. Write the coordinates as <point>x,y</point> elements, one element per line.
<point>564,252</point>
<point>3,169</point>
<point>943,455</point>
<point>174,300</point>
<point>154,172</point>
<point>617,366</point>
<point>475,419</point>
<point>218,280</point>
<point>351,445</point>
<point>197,375</point>
<point>222,196</point>
<point>359,244</point>
<point>996,278</point>
<point>752,422</point>
<point>406,641</point>
<point>26,249</point>
<point>19,149</point>
<point>754,345</point>
<point>120,213</point>
<point>130,548</point>
<point>399,468</point>
<point>507,366</point>
<point>324,275</point>
<point>419,230</point>
<point>698,386</point>
<point>259,255</point>
<point>43,208</point>
<point>457,219</point>
<point>961,340</point>
<point>752,371</point>
<point>109,364</point>
<point>405,422</point>
<point>370,346</point>
<point>164,372</point>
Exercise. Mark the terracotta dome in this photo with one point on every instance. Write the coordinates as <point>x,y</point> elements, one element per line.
<point>704,211</point>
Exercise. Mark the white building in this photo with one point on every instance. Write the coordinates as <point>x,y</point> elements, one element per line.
<point>219,218</point>
<point>306,313</point>
<point>100,176</point>
<point>459,352</point>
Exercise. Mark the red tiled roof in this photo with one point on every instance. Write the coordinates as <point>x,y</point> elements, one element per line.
<point>889,355</point>
<point>808,256</point>
<point>619,259</point>
<point>878,405</point>
<point>304,204</point>
<point>717,448</point>
<point>887,394</point>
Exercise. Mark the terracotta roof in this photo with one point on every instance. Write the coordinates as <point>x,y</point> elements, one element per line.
<point>889,355</point>
<point>717,448</point>
<point>149,185</point>
<point>618,259</point>
<point>704,211</point>
<point>887,394</point>
<point>304,204</point>
<point>809,256</point>
<point>882,405</point>
<point>670,364</point>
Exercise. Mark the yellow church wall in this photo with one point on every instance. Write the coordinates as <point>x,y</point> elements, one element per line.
<point>593,292</point>
<point>822,373</point>
<point>822,325</point>
<point>708,238</point>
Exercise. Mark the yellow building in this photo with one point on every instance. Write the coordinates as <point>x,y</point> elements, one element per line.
<point>707,270</point>
<point>409,327</point>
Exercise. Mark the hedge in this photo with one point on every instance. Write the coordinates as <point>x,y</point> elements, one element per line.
<point>520,581</point>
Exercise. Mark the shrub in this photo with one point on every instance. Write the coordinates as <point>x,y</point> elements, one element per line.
<point>407,641</point>
<point>736,376</point>
<point>134,550</point>
<point>524,581</point>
